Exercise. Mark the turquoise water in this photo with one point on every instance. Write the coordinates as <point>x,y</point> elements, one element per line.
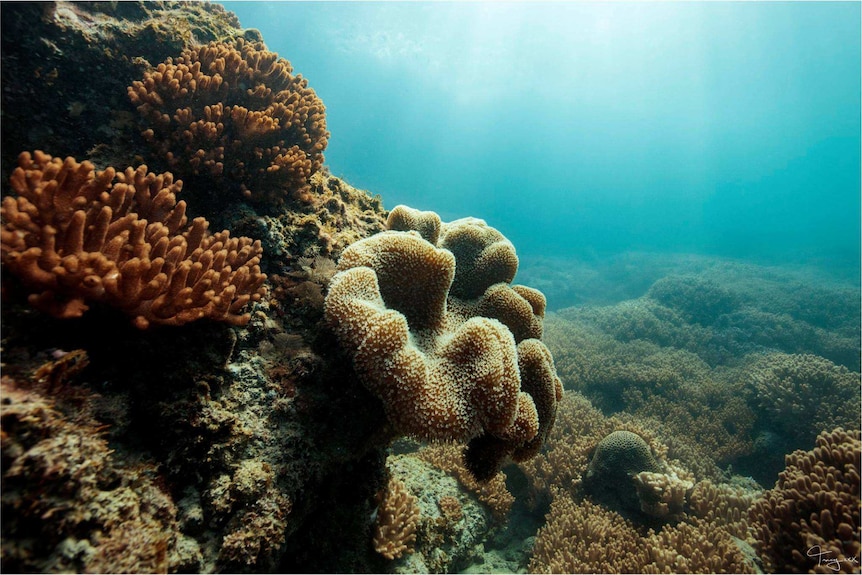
<point>727,129</point>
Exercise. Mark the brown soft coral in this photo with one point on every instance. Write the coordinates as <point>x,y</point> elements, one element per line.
<point>397,518</point>
<point>235,117</point>
<point>810,520</point>
<point>443,369</point>
<point>74,235</point>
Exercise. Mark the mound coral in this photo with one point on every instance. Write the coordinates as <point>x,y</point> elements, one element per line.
<point>624,471</point>
<point>621,454</point>
<point>73,236</point>
<point>445,366</point>
<point>810,520</point>
<point>233,119</point>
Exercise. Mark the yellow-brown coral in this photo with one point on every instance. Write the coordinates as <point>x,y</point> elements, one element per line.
<point>442,370</point>
<point>397,518</point>
<point>663,495</point>
<point>74,235</point>
<point>810,520</point>
<point>234,116</point>
<point>799,395</point>
<point>582,537</point>
<point>724,505</point>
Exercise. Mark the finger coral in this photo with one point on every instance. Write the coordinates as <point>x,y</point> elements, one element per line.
<point>74,236</point>
<point>443,369</point>
<point>810,520</point>
<point>397,518</point>
<point>798,395</point>
<point>233,117</point>
<point>582,537</point>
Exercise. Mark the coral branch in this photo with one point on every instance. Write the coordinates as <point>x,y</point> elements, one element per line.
<point>75,236</point>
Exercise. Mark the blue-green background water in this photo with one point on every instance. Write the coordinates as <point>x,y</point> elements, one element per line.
<point>586,129</point>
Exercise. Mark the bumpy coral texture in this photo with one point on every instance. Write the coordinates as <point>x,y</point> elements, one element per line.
<point>397,518</point>
<point>234,116</point>
<point>624,472</point>
<point>582,537</point>
<point>810,521</point>
<point>799,395</point>
<point>444,370</point>
<point>73,235</point>
<point>69,503</point>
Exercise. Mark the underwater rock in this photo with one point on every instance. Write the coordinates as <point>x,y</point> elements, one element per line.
<point>238,420</point>
<point>84,55</point>
<point>452,522</point>
<point>70,503</point>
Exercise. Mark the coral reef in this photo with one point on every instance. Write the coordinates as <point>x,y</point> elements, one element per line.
<point>798,396</point>
<point>810,521</point>
<point>252,445</point>
<point>397,517</point>
<point>234,120</point>
<point>442,370</point>
<point>624,473</point>
<point>582,537</point>
<point>697,299</point>
<point>73,236</point>
<point>724,504</point>
<point>668,524</point>
<point>453,520</point>
<point>69,502</point>
<point>633,356</point>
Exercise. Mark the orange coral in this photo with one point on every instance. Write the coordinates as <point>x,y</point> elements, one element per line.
<point>235,115</point>
<point>810,520</point>
<point>74,235</point>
